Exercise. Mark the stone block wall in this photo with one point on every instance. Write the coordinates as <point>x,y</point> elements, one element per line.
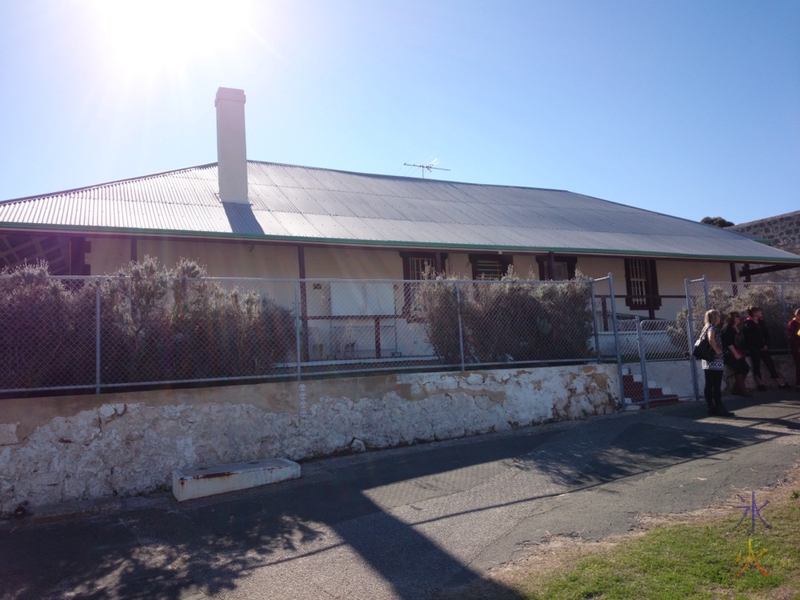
<point>784,232</point>
<point>85,447</point>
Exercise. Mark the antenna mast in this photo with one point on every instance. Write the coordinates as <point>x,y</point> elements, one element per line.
<point>429,167</point>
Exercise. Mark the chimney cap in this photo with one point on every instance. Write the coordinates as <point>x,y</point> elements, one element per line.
<point>229,94</point>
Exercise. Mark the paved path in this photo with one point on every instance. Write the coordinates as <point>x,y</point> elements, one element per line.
<point>402,523</point>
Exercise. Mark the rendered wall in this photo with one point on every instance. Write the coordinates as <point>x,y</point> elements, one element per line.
<point>80,447</point>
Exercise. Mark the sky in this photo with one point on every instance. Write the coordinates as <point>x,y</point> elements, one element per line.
<point>690,108</point>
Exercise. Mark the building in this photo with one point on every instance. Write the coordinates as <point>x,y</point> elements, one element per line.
<point>243,218</point>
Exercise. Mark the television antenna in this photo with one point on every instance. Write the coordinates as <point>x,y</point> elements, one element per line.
<point>429,167</point>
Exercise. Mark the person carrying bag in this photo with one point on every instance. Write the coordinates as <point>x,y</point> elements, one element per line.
<point>713,366</point>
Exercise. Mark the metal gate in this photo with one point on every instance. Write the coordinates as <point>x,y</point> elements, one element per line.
<point>655,365</point>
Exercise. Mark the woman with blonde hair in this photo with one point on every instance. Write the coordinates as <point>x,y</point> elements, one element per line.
<point>713,369</point>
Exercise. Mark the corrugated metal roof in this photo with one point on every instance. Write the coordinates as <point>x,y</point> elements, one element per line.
<point>320,205</point>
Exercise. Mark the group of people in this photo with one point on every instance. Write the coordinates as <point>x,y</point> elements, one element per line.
<point>732,343</point>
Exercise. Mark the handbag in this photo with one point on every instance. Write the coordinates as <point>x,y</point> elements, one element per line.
<point>703,350</point>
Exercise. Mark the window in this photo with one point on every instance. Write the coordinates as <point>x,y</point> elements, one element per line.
<point>414,265</point>
<point>489,266</point>
<point>642,284</point>
<point>417,266</point>
<point>563,267</point>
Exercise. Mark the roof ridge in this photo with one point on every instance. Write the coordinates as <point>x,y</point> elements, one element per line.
<point>105,184</point>
<point>406,177</point>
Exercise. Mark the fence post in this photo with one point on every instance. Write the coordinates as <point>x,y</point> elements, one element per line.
<point>97,337</point>
<point>594,322</point>
<point>642,362</point>
<point>690,335</point>
<point>705,292</point>
<point>616,337</point>
<point>783,310</point>
<point>297,326</point>
<point>460,326</point>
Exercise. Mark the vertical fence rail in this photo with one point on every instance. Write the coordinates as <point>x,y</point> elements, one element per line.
<point>643,362</point>
<point>690,336</point>
<point>783,303</point>
<point>97,342</point>
<point>460,328</point>
<point>617,350</point>
<point>298,325</point>
<point>595,327</point>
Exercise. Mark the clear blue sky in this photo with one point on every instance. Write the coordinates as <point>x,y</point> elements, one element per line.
<point>691,108</point>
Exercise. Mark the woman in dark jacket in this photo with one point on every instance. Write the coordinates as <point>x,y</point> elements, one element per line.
<point>734,355</point>
<point>756,338</point>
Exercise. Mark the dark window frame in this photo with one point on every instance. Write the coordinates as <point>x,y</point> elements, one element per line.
<point>544,265</point>
<point>651,300</point>
<point>437,262</point>
<point>504,261</point>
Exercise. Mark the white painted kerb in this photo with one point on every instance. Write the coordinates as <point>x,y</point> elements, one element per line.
<point>207,481</point>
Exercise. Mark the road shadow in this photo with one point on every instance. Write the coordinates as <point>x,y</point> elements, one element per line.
<point>208,547</point>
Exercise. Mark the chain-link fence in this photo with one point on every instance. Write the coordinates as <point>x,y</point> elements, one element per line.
<point>146,327</point>
<point>778,301</point>
<point>654,360</point>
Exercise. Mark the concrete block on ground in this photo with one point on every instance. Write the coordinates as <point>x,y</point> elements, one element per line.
<point>208,481</point>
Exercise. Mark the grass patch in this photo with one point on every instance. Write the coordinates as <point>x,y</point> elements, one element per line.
<point>693,560</point>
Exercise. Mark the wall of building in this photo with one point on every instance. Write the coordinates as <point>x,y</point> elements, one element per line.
<point>80,447</point>
<point>221,259</point>
<point>107,255</point>
<point>784,233</point>
<point>671,280</point>
<point>275,261</point>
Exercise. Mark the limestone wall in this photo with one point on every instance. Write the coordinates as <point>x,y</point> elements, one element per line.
<point>79,447</point>
<point>784,232</point>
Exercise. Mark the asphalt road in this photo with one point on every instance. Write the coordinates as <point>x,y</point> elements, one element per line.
<point>401,524</point>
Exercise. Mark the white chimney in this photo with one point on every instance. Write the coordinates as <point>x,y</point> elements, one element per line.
<point>231,147</point>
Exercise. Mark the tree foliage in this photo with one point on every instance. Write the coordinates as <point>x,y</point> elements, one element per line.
<point>717,222</point>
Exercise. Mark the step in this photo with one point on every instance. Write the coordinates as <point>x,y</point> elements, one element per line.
<point>639,404</point>
<point>219,479</point>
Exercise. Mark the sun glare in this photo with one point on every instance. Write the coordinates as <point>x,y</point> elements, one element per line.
<point>147,36</point>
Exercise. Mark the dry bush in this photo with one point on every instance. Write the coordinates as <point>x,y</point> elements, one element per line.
<point>45,331</point>
<point>511,320</point>
<point>778,304</point>
<point>155,325</point>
